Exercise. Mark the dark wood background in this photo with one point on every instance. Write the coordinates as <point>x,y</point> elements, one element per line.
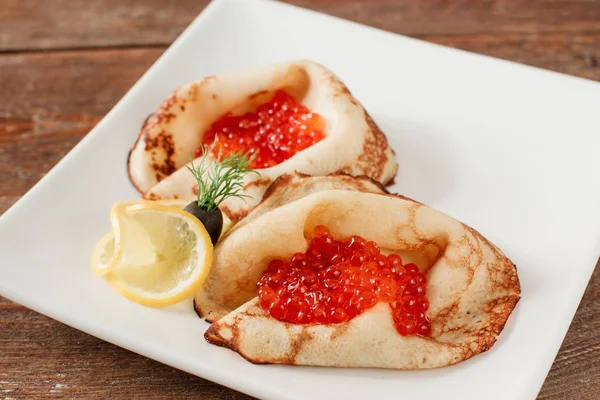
<point>65,63</point>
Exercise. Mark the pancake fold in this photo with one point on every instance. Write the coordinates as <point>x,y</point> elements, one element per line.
<point>472,286</point>
<point>354,144</point>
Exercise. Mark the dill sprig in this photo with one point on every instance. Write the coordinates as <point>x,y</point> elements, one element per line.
<point>223,177</point>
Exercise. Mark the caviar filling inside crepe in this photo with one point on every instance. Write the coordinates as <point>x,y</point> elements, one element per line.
<point>334,271</point>
<point>295,116</point>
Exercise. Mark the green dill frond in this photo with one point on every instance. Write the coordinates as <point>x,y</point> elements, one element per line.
<point>221,178</point>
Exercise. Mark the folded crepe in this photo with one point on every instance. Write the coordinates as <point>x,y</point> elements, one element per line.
<point>353,143</point>
<point>472,286</point>
<point>227,288</point>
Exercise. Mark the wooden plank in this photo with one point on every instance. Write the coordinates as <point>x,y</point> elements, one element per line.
<point>50,101</point>
<point>60,24</point>
<point>42,24</point>
<point>70,82</point>
<point>42,359</point>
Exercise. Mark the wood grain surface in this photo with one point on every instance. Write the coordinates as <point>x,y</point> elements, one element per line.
<point>65,63</point>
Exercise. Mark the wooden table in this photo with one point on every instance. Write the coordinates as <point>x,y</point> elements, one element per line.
<point>65,63</point>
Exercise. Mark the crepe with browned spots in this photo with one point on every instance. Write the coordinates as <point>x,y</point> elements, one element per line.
<point>287,188</point>
<point>471,285</point>
<point>354,144</point>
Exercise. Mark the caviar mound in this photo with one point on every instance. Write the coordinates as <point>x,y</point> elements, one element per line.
<point>334,281</point>
<point>351,141</point>
<point>277,130</point>
<point>472,287</point>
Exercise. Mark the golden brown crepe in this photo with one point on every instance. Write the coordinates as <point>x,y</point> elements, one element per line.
<point>223,282</point>
<point>471,285</point>
<point>353,144</point>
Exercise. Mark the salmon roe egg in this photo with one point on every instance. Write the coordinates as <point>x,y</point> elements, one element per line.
<point>334,281</point>
<point>277,130</point>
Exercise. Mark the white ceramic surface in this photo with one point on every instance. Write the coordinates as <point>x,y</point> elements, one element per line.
<point>508,149</point>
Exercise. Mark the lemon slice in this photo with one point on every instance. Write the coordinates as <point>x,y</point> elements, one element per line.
<point>103,253</point>
<point>103,256</point>
<point>162,254</point>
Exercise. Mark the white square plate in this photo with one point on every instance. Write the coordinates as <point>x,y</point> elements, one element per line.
<point>508,149</point>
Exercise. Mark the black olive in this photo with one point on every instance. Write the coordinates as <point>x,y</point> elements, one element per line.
<point>212,220</point>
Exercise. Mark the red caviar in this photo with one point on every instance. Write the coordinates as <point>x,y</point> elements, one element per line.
<point>334,281</point>
<point>277,129</point>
